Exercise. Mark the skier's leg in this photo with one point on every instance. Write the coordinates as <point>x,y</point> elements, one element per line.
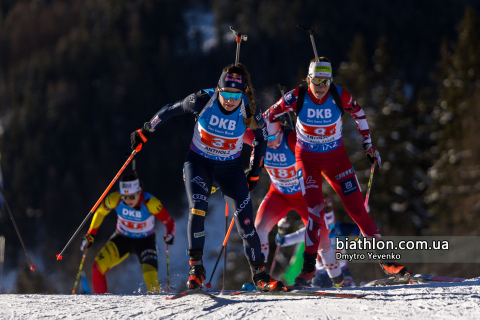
<point>146,250</point>
<point>198,184</point>
<point>345,183</point>
<point>310,178</point>
<point>112,253</point>
<point>325,251</point>
<point>271,210</point>
<point>233,184</point>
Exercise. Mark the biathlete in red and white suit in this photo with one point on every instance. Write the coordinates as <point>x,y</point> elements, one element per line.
<point>285,193</point>
<point>319,147</point>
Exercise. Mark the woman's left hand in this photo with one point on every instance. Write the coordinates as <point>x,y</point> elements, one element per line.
<point>252,181</point>
<point>373,155</point>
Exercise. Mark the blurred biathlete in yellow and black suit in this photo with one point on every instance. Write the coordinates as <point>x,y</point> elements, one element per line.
<point>135,233</point>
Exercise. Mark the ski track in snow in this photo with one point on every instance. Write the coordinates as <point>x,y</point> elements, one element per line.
<point>426,301</point>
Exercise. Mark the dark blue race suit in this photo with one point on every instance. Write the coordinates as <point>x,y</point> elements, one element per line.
<point>214,158</point>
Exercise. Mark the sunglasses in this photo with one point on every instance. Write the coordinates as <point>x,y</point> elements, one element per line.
<point>130,197</point>
<point>275,136</point>
<point>318,81</point>
<point>231,95</point>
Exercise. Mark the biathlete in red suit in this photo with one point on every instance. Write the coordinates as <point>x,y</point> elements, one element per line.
<point>319,147</point>
<point>285,193</point>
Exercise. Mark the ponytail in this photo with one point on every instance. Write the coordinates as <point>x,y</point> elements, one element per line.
<point>249,92</point>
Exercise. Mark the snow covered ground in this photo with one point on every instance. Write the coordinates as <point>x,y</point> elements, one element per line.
<point>428,301</point>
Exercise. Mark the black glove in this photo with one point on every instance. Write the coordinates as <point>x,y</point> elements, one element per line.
<point>168,239</point>
<point>252,180</point>
<point>138,137</point>
<point>87,241</point>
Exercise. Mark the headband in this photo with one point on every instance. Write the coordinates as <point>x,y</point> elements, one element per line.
<point>232,80</point>
<point>129,187</point>
<point>320,69</point>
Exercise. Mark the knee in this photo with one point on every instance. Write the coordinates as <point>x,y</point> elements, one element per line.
<point>97,270</point>
<point>149,257</point>
<point>107,258</point>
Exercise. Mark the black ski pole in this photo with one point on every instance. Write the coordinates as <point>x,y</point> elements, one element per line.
<point>168,267</point>
<point>32,267</point>
<point>79,273</point>
<point>282,91</point>
<point>311,32</point>
<point>239,38</point>
<point>209,284</point>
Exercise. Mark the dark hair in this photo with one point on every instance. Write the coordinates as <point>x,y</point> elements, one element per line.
<point>321,59</point>
<point>129,177</point>
<point>249,92</point>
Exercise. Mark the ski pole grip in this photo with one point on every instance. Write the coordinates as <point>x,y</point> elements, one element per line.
<point>140,133</point>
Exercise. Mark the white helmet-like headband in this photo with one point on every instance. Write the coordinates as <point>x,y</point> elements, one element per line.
<point>320,69</point>
<point>129,187</point>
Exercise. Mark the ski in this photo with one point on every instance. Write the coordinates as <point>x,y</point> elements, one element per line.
<point>407,279</point>
<point>190,292</point>
<point>300,293</point>
<point>430,278</point>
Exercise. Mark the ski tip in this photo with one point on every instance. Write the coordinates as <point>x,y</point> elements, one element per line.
<point>208,285</point>
<point>167,298</point>
<point>59,257</point>
<point>32,267</point>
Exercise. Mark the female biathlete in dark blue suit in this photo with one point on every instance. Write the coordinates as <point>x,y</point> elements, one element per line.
<point>223,114</point>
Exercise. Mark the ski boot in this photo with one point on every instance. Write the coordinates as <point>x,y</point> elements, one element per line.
<point>339,281</point>
<point>262,280</point>
<point>398,274</point>
<point>197,272</point>
<point>393,268</point>
<point>348,281</point>
<point>304,279</point>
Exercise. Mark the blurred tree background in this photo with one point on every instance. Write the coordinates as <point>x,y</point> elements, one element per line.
<point>76,77</point>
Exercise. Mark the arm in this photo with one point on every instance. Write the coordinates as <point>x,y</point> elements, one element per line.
<point>293,238</point>
<point>156,208</point>
<point>248,137</point>
<point>286,104</point>
<point>358,114</point>
<point>193,104</point>
<point>110,203</point>
<point>292,140</point>
<point>261,144</point>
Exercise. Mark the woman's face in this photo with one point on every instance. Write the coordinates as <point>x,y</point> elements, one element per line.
<point>132,203</point>
<point>274,143</point>
<point>320,90</point>
<point>229,104</point>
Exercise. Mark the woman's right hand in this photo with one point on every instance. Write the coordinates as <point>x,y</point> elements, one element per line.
<point>139,137</point>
